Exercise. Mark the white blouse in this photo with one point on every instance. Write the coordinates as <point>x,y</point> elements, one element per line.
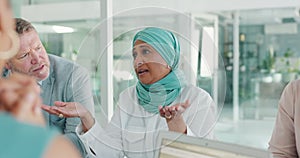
<point>132,132</point>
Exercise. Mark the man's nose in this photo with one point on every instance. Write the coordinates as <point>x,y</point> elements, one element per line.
<point>34,58</point>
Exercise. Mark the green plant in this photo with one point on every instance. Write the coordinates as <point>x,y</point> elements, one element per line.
<point>268,62</point>
<point>289,53</point>
<point>288,67</point>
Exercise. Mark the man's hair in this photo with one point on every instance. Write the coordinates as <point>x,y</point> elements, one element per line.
<point>23,26</point>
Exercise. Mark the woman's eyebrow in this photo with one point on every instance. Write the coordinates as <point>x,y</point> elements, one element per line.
<point>141,46</point>
<point>144,46</point>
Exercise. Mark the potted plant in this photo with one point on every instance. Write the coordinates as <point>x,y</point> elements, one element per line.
<point>289,72</point>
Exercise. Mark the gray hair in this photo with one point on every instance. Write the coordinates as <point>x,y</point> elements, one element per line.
<point>23,26</point>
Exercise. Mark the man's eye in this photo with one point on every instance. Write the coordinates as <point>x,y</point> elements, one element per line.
<point>38,48</point>
<point>23,56</point>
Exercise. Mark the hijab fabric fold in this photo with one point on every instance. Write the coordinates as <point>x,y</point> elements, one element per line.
<point>166,90</point>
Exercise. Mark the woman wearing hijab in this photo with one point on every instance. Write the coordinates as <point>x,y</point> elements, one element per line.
<point>161,100</point>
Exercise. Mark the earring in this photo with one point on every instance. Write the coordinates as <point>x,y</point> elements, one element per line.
<point>14,46</point>
<point>168,67</point>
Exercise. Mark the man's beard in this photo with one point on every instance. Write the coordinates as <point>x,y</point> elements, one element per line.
<point>14,69</point>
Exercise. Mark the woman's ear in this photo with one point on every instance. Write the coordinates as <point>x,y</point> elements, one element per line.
<point>7,65</point>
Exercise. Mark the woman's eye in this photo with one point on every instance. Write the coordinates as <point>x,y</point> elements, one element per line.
<point>134,55</point>
<point>146,51</point>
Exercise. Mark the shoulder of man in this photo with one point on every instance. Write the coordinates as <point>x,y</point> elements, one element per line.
<point>60,64</point>
<point>57,60</point>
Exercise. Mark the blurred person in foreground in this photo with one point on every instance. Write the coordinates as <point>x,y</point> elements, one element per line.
<point>59,79</point>
<point>285,140</point>
<point>23,131</point>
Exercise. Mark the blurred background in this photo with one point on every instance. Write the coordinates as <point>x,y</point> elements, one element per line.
<point>242,52</point>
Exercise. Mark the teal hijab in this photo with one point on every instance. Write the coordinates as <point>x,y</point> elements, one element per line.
<point>166,90</point>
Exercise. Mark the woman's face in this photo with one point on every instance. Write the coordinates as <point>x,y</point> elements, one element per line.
<point>149,66</point>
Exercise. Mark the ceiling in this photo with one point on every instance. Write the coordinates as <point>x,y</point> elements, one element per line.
<point>264,16</point>
<point>267,13</point>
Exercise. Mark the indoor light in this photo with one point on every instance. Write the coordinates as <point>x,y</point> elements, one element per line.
<point>62,29</point>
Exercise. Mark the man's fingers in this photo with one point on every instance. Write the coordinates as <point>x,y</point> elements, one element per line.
<point>60,103</point>
<point>46,107</point>
<point>50,109</point>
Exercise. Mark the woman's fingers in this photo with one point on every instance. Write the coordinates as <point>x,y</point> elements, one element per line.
<point>9,93</point>
<point>180,107</point>
<point>24,81</point>
<point>186,104</point>
<point>161,111</point>
<point>12,87</point>
<point>173,111</point>
<point>25,105</point>
<point>170,112</point>
<point>27,108</point>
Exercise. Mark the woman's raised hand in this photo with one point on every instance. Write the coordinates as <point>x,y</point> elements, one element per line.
<point>173,115</point>
<point>172,112</point>
<point>20,96</point>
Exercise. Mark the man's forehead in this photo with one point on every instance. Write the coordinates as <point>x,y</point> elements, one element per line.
<point>29,41</point>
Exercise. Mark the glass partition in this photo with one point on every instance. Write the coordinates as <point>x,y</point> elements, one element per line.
<point>268,54</point>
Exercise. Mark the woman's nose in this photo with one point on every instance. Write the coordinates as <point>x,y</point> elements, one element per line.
<point>138,61</point>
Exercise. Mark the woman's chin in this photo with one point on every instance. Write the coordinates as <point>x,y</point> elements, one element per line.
<point>145,81</point>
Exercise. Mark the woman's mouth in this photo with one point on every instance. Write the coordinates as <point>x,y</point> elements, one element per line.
<point>142,72</point>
